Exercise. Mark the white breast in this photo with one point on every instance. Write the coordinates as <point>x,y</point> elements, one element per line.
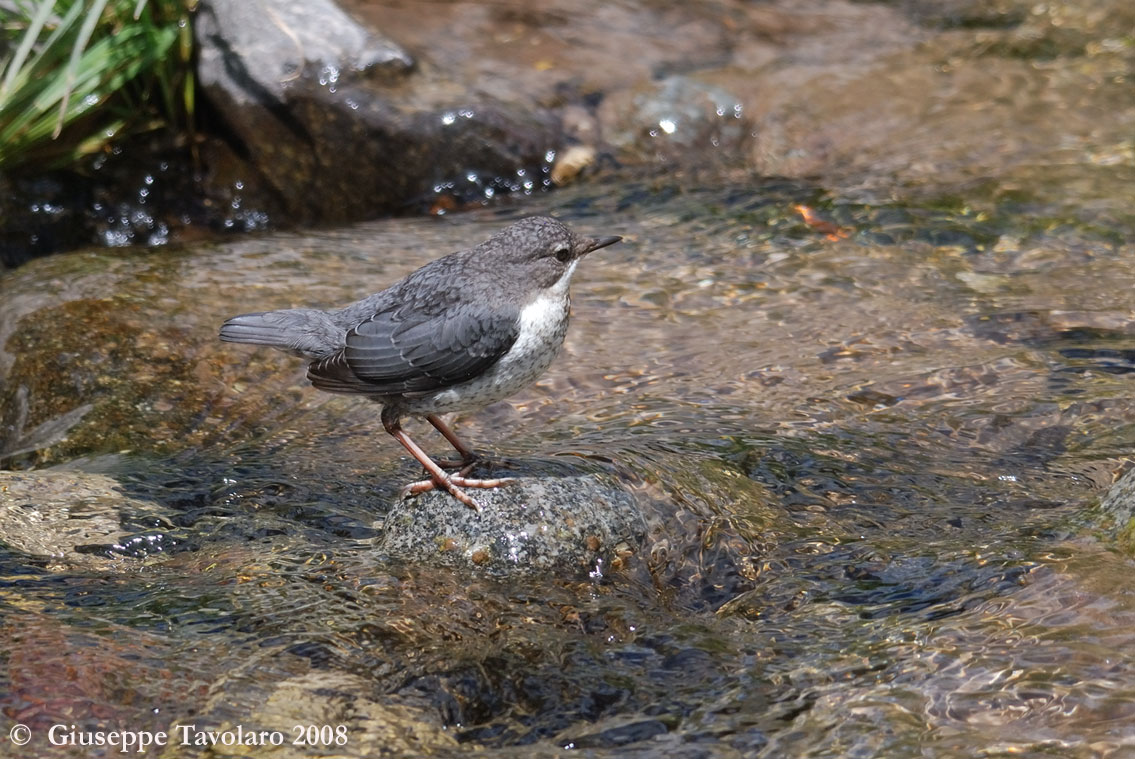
<point>541,329</point>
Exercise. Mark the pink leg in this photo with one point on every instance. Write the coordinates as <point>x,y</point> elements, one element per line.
<point>453,484</point>
<point>466,453</point>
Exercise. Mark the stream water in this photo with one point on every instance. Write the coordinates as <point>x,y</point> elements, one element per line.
<point>864,454</point>
<point>866,419</point>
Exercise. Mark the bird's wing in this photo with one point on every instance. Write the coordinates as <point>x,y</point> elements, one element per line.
<point>408,351</point>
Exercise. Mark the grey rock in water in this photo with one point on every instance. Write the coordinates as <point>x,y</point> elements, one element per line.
<point>74,520</point>
<point>1118,509</point>
<point>325,114</point>
<point>674,118</point>
<point>258,50</point>
<point>582,523</point>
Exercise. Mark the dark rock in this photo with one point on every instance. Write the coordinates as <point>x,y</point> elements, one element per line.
<point>149,190</point>
<point>323,110</point>
<point>533,525</point>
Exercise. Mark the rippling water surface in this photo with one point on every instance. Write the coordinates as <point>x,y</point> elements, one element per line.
<point>866,423</point>
<point>863,453</point>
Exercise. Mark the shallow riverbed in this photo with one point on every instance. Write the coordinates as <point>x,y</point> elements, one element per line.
<point>866,417</point>
<point>863,454</point>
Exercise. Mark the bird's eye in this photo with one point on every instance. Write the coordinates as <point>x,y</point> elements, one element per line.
<point>563,254</point>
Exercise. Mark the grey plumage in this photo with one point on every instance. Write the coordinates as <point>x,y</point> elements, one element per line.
<point>463,331</point>
<point>304,332</point>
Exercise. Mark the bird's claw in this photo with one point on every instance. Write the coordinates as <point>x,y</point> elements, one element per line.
<point>454,484</point>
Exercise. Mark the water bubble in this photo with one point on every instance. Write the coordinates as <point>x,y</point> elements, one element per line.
<point>668,125</point>
<point>329,75</point>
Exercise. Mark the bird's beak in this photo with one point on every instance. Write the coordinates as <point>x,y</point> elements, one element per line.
<point>601,242</point>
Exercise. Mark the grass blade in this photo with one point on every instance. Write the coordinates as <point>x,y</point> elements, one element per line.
<point>30,35</point>
<point>70,85</point>
<point>85,32</point>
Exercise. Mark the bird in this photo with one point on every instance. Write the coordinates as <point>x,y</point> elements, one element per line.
<point>466,330</point>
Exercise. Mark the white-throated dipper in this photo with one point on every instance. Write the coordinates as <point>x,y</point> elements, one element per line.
<point>464,331</point>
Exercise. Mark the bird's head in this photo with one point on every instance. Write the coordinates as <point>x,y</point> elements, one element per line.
<point>542,250</point>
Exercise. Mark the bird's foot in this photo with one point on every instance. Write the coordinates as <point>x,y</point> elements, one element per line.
<point>454,484</point>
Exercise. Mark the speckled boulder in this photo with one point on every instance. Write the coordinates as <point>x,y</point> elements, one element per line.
<point>539,524</point>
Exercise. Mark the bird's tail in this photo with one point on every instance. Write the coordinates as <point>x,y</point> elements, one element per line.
<point>303,331</point>
<point>255,329</point>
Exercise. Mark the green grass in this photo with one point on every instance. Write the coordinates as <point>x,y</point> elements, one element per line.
<point>76,75</point>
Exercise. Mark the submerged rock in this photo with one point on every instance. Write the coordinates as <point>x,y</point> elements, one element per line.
<point>1118,508</point>
<point>77,520</point>
<point>535,524</point>
<point>344,706</point>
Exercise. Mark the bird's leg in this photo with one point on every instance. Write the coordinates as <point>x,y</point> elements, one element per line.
<point>466,453</point>
<point>438,477</point>
<point>452,484</point>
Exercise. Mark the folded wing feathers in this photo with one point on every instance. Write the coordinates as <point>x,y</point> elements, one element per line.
<point>334,376</point>
<point>382,354</point>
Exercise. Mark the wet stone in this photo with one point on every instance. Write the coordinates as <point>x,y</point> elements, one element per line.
<point>342,711</point>
<point>675,117</point>
<point>78,520</point>
<point>1118,508</point>
<point>337,120</point>
<point>538,524</point>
